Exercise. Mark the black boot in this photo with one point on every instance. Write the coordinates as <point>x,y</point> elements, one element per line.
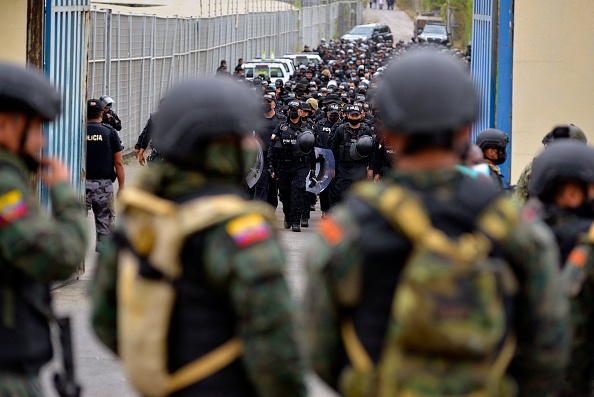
<point>304,222</point>
<point>287,224</point>
<point>296,228</point>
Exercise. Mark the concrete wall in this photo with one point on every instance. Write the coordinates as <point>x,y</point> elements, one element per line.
<point>553,79</point>
<point>13,30</point>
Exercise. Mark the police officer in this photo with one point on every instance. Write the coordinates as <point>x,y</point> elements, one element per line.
<point>323,130</point>
<point>265,188</point>
<point>36,248</point>
<point>562,191</point>
<point>494,144</point>
<point>231,282</point>
<point>104,165</point>
<point>109,116</point>
<point>353,150</point>
<point>361,251</point>
<point>144,139</point>
<point>559,132</point>
<point>290,149</point>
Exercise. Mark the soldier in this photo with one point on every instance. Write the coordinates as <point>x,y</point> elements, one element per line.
<point>109,116</point>
<point>230,284</point>
<point>290,150</point>
<point>265,188</point>
<point>563,182</point>
<point>493,143</point>
<point>559,132</point>
<point>371,328</point>
<point>104,164</point>
<point>36,249</point>
<point>354,151</point>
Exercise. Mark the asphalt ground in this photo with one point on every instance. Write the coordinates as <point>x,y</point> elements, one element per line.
<point>97,369</point>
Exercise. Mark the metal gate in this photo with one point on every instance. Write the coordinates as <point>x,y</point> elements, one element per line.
<point>483,61</point>
<point>66,43</point>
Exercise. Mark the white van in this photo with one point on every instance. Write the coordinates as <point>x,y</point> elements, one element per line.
<point>272,70</point>
<point>304,58</point>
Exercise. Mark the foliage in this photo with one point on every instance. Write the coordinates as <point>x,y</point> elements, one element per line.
<point>461,10</point>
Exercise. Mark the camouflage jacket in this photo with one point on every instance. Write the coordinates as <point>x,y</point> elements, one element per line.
<point>521,192</point>
<point>249,274</point>
<point>41,248</point>
<point>342,257</point>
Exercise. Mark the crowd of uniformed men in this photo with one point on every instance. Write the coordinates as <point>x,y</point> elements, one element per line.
<point>429,279</point>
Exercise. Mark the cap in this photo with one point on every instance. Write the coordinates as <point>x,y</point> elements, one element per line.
<point>333,108</point>
<point>312,103</point>
<point>354,109</point>
<point>304,106</point>
<point>293,104</point>
<point>269,97</point>
<point>94,104</point>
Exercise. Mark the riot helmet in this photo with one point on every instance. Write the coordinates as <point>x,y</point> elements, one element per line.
<point>361,148</point>
<point>304,143</point>
<point>425,92</point>
<point>105,101</point>
<point>563,161</point>
<point>199,111</point>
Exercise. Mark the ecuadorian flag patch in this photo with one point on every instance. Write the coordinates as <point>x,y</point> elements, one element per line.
<point>248,229</point>
<point>12,207</point>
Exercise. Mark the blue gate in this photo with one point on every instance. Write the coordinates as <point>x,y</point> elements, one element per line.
<point>66,43</point>
<point>491,66</point>
<point>483,61</point>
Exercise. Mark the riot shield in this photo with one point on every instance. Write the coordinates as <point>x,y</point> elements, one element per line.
<point>256,170</point>
<point>325,166</point>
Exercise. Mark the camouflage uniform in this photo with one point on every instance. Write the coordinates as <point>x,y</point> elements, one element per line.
<point>358,259</point>
<point>36,249</point>
<point>99,198</point>
<point>247,276</point>
<point>578,278</point>
<point>521,192</point>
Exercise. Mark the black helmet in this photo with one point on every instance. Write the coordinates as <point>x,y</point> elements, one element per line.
<point>362,148</point>
<point>492,138</point>
<point>198,111</point>
<point>564,160</point>
<point>26,90</point>
<point>304,143</point>
<point>565,131</point>
<point>427,92</point>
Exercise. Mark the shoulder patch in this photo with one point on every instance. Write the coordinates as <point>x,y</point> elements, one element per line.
<point>248,229</point>
<point>331,231</point>
<point>12,207</point>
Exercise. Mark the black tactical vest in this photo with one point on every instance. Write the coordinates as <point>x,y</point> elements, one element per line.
<point>202,320</point>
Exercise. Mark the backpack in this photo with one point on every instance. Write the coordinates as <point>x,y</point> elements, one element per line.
<point>448,333</point>
<point>148,266</point>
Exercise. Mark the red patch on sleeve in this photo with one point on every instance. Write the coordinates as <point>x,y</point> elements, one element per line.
<point>331,231</point>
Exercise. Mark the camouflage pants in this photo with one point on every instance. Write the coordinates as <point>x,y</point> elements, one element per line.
<point>19,385</point>
<point>99,198</point>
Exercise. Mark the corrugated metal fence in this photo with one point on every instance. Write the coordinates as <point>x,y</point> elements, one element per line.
<point>66,60</point>
<point>136,58</point>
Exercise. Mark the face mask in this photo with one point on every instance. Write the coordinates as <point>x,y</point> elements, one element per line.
<point>354,122</point>
<point>501,156</point>
<point>333,117</point>
<point>293,114</point>
<point>266,107</point>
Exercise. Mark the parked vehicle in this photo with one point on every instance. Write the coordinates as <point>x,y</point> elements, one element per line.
<point>303,58</point>
<point>372,31</point>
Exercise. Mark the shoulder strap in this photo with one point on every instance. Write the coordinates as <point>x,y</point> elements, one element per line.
<point>404,212</point>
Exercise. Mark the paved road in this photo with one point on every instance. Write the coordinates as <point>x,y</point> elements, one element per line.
<point>97,369</point>
<point>400,23</point>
